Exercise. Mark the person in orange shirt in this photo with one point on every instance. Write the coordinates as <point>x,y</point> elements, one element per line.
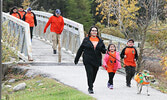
<point>14,12</point>
<point>111,63</point>
<point>30,18</point>
<point>130,56</point>
<point>57,24</point>
<point>21,11</point>
<point>92,48</point>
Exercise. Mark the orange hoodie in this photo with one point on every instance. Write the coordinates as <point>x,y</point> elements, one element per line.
<point>57,24</point>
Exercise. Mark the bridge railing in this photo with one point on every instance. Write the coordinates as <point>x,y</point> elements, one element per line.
<point>119,41</point>
<point>71,36</point>
<point>21,30</point>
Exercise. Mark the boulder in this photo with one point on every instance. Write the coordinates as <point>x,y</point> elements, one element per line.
<point>20,86</point>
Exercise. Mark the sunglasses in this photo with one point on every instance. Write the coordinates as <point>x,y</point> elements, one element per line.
<point>94,30</point>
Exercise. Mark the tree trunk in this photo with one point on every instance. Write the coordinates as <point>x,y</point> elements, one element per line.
<point>140,58</point>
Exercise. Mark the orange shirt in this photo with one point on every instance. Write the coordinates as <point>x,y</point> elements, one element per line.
<point>21,13</point>
<point>16,15</point>
<point>111,62</point>
<point>57,24</point>
<point>94,41</point>
<point>29,18</point>
<point>130,56</point>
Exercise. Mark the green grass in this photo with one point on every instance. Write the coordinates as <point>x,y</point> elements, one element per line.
<point>50,90</point>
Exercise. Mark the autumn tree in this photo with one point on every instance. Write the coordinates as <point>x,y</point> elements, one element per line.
<point>145,25</point>
<point>118,12</point>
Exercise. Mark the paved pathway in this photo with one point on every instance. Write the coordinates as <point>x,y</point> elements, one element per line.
<point>75,76</point>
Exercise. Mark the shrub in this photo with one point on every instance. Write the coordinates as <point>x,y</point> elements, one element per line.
<point>8,44</point>
<point>157,37</point>
<point>113,31</point>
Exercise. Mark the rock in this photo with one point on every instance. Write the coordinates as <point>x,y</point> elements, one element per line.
<point>8,86</point>
<point>32,73</point>
<point>39,81</point>
<point>12,80</point>
<point>40,84</point>
<point>20,86</point>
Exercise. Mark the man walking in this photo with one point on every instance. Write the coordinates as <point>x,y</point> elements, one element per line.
<point>56,28</point>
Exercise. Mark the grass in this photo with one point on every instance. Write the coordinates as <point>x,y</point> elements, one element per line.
<point>50,90</point>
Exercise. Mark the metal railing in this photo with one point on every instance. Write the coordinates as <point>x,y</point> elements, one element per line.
<point>71,36</point>
<point>22,30</point>
<point>112,38</point>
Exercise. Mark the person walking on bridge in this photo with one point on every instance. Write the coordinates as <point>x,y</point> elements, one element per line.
<point>15,13</point>
<point>21,11</point>
<point>92,48</point>
<point>30,18</point>
<point>56,28</point>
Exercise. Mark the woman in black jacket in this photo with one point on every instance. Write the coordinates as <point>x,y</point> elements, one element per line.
<point>91,47</point>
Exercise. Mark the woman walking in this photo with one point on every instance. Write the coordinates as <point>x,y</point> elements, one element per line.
<point>91,47</point>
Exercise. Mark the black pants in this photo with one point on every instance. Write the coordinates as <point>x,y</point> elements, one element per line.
<point>111,76</point>
<point>91,72</point>
<point>31,32</point>
<point>130,72</point>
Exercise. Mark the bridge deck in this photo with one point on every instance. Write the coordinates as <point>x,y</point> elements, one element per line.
<point>43,53</point>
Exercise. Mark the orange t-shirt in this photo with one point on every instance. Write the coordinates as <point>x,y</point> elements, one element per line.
<point>94,41</point>
<point>111,62</point>
<point>130,56</point>
<point>16,15</point>
<point>29,18</point>
<point>21,13</point>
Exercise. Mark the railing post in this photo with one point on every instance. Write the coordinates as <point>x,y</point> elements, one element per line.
<point>118,47</point>
<point>0,48</point>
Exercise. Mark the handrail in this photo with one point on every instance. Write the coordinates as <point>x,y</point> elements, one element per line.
<point>117,39</point>
<point>22,30</point>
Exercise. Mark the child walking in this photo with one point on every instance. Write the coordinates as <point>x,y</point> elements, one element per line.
<point>129,54</point>
<point>111,63</point>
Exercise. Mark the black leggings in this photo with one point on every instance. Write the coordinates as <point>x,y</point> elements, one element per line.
<point>31,32</point>
<point>91,72</point>
<point>130,72</point>
<point>111,76</point>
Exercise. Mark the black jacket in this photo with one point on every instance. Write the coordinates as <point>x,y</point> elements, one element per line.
<point>123,52</point>
<point>91,56</point>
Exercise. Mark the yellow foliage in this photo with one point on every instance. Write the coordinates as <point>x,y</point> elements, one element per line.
<point>26,4</point>
<point>97,9</point>
<point>164,64</point>
<point>128,10</point>
<point>165,72</point>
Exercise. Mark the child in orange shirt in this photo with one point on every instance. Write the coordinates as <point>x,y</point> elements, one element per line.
<point>130,55</point>
<point>111,63</point>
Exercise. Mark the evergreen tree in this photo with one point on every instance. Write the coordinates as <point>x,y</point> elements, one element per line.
<point>80,11</point>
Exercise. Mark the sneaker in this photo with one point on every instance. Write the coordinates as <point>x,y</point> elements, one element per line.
<point>54,51</point>
<point>90,91</point>
<point>128,85</point>
<point>108,85</point>
<point>111,87</point>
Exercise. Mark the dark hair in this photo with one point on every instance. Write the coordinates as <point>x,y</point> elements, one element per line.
<point>131,40</point>
<point>11,11</point>
<point>89,34</point>
<point>109,47</point>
